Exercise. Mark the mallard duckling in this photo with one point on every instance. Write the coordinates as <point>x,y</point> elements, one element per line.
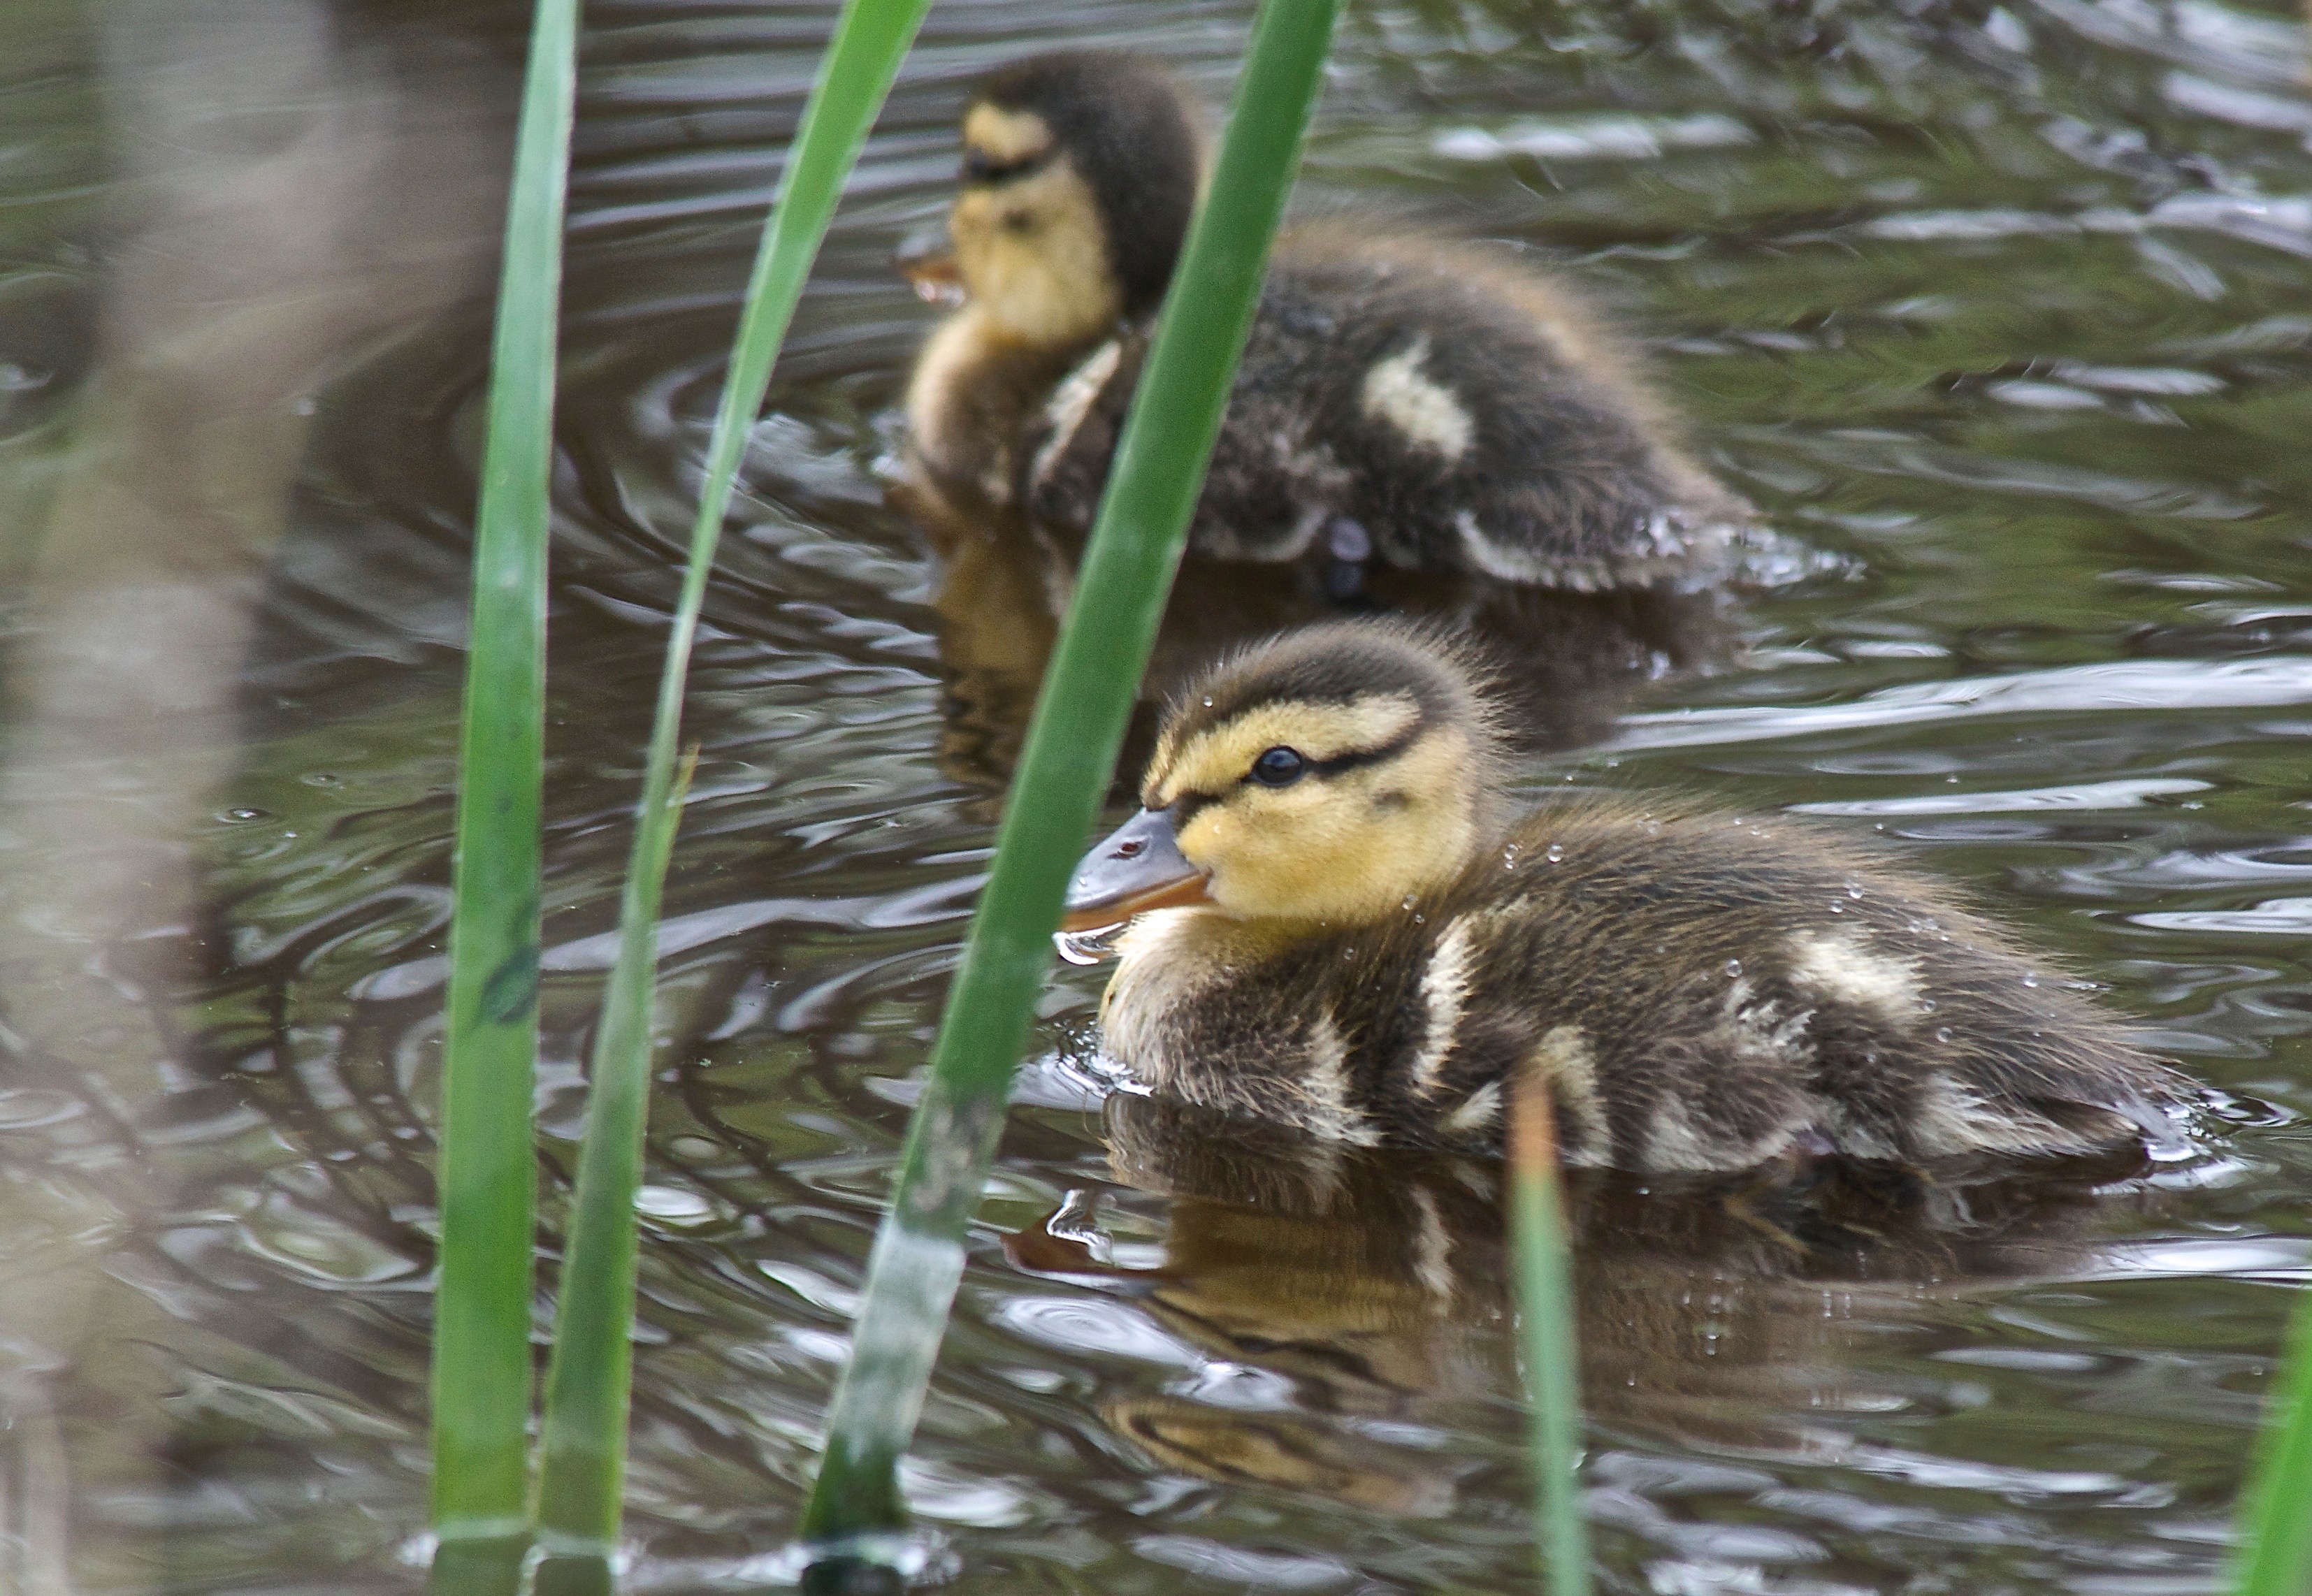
<point>1427,405</point>
<point>1333,921</point>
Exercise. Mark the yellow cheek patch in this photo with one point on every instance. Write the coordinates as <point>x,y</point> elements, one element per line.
<point>1278,853</point>
<point>1209,834</point>
<point>1436,766</point>
<point>1216,758</point>
<point>975,212</point>
<point>1004,136</point>
<point>1033,253</point>
<point>1348,850</point>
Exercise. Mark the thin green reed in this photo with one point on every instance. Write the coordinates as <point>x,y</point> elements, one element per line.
<point>1546,1334</point>
<point>1071,749</point>
<point>583,1445</point>
<point>481,1377</point>
<point>583,1441</point>
<point>2275,1551</point>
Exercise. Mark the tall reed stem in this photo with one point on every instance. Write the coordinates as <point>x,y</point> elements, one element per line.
<point>1545,1332</point>
<point>583,1437</point>
<point>481,1373</point>
<point>2275,1558</point>
<point>1071,749</point>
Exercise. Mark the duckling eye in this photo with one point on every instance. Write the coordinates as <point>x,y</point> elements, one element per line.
<point>1279,767</point>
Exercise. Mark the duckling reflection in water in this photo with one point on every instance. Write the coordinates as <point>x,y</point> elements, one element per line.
<point>1402,402</point>
<point>1335,922</point>
<point>1570,661</point>
<point>1373,1281</point>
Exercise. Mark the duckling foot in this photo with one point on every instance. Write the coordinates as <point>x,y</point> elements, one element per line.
<point>1773,1198</point>
<point>1347,546</point>
<point>1068,1244</point>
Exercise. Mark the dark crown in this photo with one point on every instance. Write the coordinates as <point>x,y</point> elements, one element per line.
<point>1123,125</point>
<point>1340,662</point>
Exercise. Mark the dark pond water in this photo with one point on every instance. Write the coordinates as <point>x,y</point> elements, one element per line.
<point>2001,313</point>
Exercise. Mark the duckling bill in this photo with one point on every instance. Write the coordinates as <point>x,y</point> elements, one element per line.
<point>1402,400</point>
<point>1337,922</point>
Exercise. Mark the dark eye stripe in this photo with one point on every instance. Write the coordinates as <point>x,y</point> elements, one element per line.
<point>980,166</point>
<point>1185,805</point>
<point>1349,761</point>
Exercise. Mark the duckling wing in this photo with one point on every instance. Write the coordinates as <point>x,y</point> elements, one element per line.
<point>1930,1035</point>
<point>1270,485</point>
<point>1725,992</point>
<point>1068,444</point>
<point>1477,424</point>
<point>1457,419</point>
<point>2060,1080</point>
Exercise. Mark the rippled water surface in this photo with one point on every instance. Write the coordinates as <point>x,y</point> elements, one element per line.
<point>2001,314</point>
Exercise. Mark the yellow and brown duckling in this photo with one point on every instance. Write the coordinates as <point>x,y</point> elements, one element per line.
<point>1336,922</point>
<point>1424,405</point>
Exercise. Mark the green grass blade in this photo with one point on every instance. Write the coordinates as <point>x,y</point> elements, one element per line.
<point>2275,1553</point>
<point>491,1566</point>
<point>582,1440</point>
<point>481,1377</point>
<point>584,1435</point>
<point>1544,1301</point>
<point>1071,748</point>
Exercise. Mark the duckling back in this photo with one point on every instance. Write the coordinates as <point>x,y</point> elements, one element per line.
<point>1430,407</point>
<point>1699,993</point>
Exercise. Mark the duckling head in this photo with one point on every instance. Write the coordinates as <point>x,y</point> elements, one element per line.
<point>1080,172</point>
<point>1323,777</point>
